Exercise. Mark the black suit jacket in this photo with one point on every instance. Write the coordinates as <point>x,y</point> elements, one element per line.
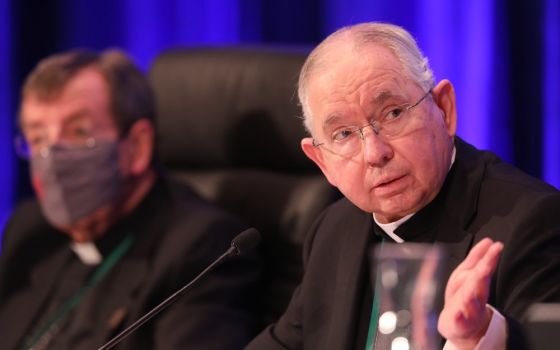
<point>481,197</point>
<point>177,236</point>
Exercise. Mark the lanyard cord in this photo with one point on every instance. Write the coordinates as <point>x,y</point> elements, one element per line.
<point>372,330</point>
<point>42,336</point>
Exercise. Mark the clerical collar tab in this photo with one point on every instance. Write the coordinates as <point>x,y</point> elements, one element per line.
<point>87,252</point>
<point>390,228</point>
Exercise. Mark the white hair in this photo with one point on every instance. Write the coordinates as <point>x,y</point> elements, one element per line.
<point>393,37</point>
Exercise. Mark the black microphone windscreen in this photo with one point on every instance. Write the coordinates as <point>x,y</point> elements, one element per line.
<point>246,240</point>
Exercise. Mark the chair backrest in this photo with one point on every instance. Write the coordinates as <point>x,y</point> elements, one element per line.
<point>228,125</point>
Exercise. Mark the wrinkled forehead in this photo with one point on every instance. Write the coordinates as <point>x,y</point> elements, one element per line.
<point>345,66</point>
<point>367,78</point>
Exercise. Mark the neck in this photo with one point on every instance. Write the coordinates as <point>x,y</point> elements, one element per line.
<point>138,191</point>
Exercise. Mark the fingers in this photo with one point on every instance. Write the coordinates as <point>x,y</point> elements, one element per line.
<point>476,254</point>
<point>487,265</point>
<point>465,315</point>
<point>469,299</point>
<point>482,271</point>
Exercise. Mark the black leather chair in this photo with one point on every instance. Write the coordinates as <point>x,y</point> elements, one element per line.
<point>228,124</point>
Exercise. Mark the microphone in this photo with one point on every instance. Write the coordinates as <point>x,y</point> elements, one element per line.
<point>242,243</point>
<point>245,241</point>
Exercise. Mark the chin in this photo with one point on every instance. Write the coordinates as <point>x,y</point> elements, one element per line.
<point>66,228</point>
<point>79,239</point>
<point>395,208</point>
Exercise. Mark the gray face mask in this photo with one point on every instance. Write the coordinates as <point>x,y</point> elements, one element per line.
<point>72,183</point>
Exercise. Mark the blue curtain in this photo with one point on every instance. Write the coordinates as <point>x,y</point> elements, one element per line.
<point>551,96</point>
<point>502,56</point>
<point>7,170</point>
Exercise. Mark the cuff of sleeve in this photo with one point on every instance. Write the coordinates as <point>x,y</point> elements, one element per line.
<point>495,337</point>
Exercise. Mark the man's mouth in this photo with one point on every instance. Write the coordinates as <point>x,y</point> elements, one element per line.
<point>389,185</point>
<point>388,181</point>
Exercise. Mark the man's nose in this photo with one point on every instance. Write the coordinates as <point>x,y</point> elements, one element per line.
<point>376,150</point>
<point>54,136</point>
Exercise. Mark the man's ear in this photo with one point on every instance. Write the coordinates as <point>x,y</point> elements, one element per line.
<point>140,141</point>
<point>316,155</point>
<point>444,97</point>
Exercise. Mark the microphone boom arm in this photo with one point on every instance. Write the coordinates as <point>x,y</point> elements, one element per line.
<point>233,250</point>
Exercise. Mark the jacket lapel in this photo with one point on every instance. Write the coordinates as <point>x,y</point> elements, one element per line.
<point>123,284</point>
<point>351,280</point>
<point>458,204</point>
<point>130,274</point>
<point>26,305</point>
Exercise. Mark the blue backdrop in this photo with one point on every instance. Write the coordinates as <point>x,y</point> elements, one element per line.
<point>502,56</point>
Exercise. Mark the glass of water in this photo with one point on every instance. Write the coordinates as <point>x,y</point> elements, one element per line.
<point>408,296</point>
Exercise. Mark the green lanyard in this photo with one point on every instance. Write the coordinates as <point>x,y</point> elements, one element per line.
<point>374,311</point>
<point>42,336</point>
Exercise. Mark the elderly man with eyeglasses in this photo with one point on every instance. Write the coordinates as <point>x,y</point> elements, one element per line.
<point>383,132</point>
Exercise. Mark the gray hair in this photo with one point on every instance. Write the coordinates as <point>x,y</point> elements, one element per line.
<point>393,37</point>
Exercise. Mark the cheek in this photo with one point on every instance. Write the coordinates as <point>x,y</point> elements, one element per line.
<point>125,159</point>
<point>429,161</point>
<point>351,179</point>
<point>428,179</point>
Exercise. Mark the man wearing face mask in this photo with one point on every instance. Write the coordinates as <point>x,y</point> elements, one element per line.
<point>108,236</point>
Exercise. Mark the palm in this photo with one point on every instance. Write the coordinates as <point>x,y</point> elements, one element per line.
<point>464,318</point>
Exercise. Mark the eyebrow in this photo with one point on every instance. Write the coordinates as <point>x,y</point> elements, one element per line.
<point>385,95</point>
<point>80,114</point>
<point>32,125</point>
<point>379,99</point>
<point>331,119</point>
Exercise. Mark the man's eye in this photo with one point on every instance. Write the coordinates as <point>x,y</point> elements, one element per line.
<point>36,140</point>
<point>342,135</point>
<point>80,132</point>
<point>394,113</point>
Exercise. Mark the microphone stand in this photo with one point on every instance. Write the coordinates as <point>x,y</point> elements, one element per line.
<point>156,310</point>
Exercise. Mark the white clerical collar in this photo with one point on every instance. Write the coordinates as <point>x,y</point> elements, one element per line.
<point>390,227</point>
<point>87,252</point>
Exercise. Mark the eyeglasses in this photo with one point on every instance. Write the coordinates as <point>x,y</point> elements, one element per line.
<point>77,131</point>
<point>347,141</point>
<point>26,150</point>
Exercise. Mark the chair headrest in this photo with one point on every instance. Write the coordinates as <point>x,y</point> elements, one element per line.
<point>229,107</point>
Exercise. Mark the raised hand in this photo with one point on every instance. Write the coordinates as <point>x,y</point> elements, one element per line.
<point>465,317</point>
